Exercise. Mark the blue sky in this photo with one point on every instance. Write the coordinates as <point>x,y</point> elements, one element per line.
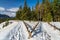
<point>16,3</point>
<point>9,3</point>
<point>9,7</point>
<point>30,3</point>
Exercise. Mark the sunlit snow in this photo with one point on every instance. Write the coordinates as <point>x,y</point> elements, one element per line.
<point>18,31</point>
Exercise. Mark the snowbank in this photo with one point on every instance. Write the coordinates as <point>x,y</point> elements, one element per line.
<point>55,34</point>
<point>17,31</point>
<point>4,32</point>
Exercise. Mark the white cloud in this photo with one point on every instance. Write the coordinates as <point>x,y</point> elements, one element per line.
<point>10,12</point>
<point>13,9</point>
<point>2,9</point>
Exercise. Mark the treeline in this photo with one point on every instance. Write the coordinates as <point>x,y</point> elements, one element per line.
<point>6,19</point>
<point>46,11</point>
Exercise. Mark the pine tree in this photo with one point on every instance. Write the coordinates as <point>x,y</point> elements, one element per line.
<point>43,1</point>
<point>18,13</point>
<point>37,10</point>
<point>56,8</point>
<point>33,14</point>
<point>25,10</point>
<point>47,17</point>
<point>28,14</point>
<point>25,6</point>
<point>47,12</point>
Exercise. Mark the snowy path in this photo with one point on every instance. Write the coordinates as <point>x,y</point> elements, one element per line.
<point>38,34</point>
<point>35,36</point>
<point>17,31</point>
<point>6,33</point>
<point>55,34</point>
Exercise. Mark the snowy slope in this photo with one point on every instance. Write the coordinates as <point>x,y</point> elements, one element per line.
<point>1,24</point>
<point>24,34</point>
<point>57,24</point>
<point>5,31</point>
<point>55,34</point>
<point>18,31</point>
<point>44,32</point>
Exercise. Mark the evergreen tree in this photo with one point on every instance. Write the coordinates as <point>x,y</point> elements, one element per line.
<point>47,14</point>
<point>37,10</point>
<point>33,14</point>
<point>56,8</point>
<point>19,13</point>
<point>47,17</point>
<point>25,10</point>
<point>46,11</point>
<point>43,1</point>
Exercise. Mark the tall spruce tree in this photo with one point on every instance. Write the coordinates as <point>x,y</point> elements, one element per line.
<point>47,14</point>
<point>18,13</point>
<point>33,14</point>
<point>43,1</point>
<point>56,8</point>
<point>37,10</point>
<point>24,12</point>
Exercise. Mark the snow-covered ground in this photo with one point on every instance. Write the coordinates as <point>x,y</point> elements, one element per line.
<point>5,31</point>
<point>18,31</point>
<point>54,33</point>
<point>1,24</point>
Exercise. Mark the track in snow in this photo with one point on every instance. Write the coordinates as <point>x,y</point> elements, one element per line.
<point>19,31</point>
